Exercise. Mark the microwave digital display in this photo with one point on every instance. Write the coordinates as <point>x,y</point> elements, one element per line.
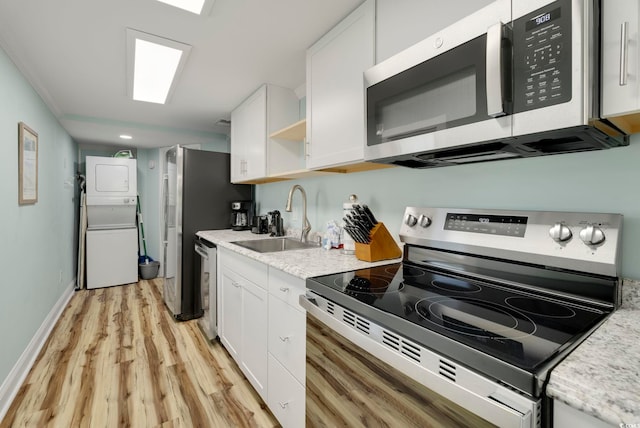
<point>489,224</point>
<point>542,57</point>
<point>543,19</point>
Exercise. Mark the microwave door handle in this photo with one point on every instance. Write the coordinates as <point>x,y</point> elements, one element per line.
<point>624,52</point>
<point>495,106</point>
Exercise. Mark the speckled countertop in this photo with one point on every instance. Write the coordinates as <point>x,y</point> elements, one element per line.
<point>602,376</point>
<point>304,263</point>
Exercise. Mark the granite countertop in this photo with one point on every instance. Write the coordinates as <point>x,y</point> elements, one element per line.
<point>602,376</point>
<point>303,263</point>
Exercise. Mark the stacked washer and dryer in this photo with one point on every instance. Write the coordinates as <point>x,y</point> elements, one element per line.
<point>112,234</point>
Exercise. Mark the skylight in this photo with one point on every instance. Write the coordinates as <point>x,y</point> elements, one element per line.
<point>199,7</point>
<point>154,65</point>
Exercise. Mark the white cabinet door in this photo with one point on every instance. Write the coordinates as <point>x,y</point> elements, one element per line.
<point>230,329</point>
<point>244,315</point>
<point>267,110</point>
<point>256,134</point>
<point>620,40</point>
<point>248,138</point>
<point>238,150</point>
<point>335,90</point>
<point>254,336</point>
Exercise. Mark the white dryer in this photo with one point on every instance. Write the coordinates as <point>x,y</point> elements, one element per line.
<point>112,235</point>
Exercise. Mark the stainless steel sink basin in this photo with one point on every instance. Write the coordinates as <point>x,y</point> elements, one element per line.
<point>272,245</point>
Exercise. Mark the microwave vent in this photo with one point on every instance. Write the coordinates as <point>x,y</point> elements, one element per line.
<point>561,145</point>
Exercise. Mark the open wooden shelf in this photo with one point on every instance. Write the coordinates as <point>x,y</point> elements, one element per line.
<point>295,132</point>
<point>301,173</point>
<point>357,167</point>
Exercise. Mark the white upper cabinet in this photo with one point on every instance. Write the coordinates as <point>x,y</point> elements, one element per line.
<point>268,109</point>
<point>400,24</point>
<point>335,90</point>
<point>621,64</point>
<point>248,138</point>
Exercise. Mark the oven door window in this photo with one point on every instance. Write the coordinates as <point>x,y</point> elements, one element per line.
<point>446,91</point>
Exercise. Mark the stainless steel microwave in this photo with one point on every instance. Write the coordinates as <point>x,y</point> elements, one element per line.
<point>515,79</point>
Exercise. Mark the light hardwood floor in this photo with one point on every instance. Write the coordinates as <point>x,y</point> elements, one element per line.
<point>117,358</point>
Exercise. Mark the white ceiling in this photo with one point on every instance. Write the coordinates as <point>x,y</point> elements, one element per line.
<point>74,54</point>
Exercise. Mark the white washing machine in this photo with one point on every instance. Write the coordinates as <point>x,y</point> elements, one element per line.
<point>112,235</point>
<point>112,257</point>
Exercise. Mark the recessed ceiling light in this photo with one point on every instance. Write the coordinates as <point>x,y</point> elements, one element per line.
<point>153,65</point>
<point>199,7</point>
<point>126,137</point>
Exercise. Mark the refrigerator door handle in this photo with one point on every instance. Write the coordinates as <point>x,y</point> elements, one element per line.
<point>165,208</point>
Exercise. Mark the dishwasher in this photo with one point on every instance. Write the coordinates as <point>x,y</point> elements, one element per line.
<point>205,276</point>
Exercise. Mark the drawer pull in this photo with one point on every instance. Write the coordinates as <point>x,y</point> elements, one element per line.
<point>235,284</point>
<point>283,405</point>
<point>284,289</point>
<point>284,338</point>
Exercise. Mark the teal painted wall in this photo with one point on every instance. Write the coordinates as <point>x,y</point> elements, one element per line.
<point>37,242</point>
<point>603,181</point>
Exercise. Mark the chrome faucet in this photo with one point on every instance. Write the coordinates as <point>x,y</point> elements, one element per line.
<point>306,226</point>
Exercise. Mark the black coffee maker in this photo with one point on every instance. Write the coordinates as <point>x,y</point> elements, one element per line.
<point>241,215</point>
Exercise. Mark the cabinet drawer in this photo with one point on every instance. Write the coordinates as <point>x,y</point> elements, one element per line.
<point>286,287</point>
<point>246,267</point>
<point>286,396</point>
<point>287,341</point>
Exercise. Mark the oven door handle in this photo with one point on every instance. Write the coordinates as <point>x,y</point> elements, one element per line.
<point>495,99</point>
<point>489,404</point>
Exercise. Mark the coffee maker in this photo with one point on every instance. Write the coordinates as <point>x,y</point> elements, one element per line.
<point>241,215</point>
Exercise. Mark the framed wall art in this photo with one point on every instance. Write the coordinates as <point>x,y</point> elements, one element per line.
<point>28,165</point>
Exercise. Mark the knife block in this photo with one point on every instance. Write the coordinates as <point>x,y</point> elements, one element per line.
<point>381,247</point>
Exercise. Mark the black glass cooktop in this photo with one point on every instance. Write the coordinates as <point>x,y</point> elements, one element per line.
<point>516,326</point>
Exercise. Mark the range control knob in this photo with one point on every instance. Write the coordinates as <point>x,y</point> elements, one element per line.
<point>424,221</point>
<point>410,220</point>
<point>592,235</point>
<point>560,232</point>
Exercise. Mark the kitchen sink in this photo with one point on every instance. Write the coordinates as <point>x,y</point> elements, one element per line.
<point>272,245</point>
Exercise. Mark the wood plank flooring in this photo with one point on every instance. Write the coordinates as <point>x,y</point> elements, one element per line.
<point>117,358</point>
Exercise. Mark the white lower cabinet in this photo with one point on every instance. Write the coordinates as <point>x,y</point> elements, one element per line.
<point>244,315</point>
<point>287,349</point>
<point>263,327</point>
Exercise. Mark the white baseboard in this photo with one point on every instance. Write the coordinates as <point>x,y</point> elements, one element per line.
<point>11,385</point>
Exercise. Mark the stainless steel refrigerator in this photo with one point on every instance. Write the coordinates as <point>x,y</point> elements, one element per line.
<point>197,196</point>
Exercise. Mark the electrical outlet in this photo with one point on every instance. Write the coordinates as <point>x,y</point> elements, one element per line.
<point>295,216</point>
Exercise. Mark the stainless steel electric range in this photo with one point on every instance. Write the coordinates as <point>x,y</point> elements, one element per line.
<point>484,304</point>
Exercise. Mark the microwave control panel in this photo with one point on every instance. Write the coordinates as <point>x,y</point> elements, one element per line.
<point>542,57</point>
